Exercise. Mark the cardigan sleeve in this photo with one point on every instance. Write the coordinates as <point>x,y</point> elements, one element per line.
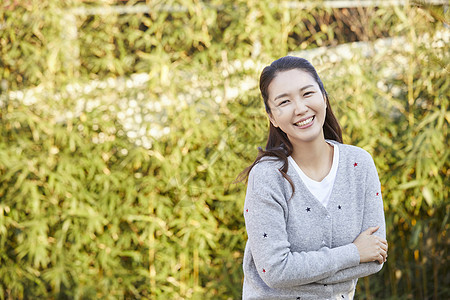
<point>265,213</point>
<point>373,216</point>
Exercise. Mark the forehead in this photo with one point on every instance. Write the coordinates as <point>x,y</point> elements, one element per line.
<point>290,81</point>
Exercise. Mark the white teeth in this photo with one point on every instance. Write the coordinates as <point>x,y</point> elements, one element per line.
<point>305,122</point>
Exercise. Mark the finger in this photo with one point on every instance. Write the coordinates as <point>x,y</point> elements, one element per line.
<point>380,259</point>
<point>384,246</point>
<point>383,254</point>
<point>383,241</point>
<point>380,239</point>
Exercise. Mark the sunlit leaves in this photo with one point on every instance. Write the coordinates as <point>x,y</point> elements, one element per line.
<point>89,210</point>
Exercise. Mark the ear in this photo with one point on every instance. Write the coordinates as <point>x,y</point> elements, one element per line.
<point>272,120</point>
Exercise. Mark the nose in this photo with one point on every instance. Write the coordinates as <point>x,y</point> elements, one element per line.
<point>300,107</point>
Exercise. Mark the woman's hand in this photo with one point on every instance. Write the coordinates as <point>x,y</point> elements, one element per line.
<point>371,247</point>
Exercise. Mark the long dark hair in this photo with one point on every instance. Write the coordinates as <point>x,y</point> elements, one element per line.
<point>278,145</point>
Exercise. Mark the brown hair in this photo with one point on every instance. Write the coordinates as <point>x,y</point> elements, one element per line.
<point>278,144</point>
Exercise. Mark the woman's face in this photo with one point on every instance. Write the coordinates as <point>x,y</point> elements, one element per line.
<point>297,106</point>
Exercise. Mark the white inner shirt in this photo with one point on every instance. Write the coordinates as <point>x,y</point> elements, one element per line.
<point>321,190</point>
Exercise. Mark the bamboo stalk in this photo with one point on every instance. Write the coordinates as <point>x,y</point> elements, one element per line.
<point>151,254</point>
<point>183,280</point>
<point>392,278</point>
<point>196,267</point>
<point>152,269</point>
<point>417,273</point>
<point>435,273</point>
<point>423,265</point>
<point>410,80</point>
<point>367,287</point>
<point>406,261</point>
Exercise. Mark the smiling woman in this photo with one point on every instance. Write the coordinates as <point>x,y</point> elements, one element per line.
<point>313,211</point>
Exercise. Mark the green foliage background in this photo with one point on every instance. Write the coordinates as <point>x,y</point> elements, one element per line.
<point>92,208</point>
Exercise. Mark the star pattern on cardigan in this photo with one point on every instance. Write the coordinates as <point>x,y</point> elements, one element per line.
<point>308,209</point>
<point>265,235</point>
<point>339,207</point>
<point>264,270</point>
<point>355,164</point>
<point>378,194</point>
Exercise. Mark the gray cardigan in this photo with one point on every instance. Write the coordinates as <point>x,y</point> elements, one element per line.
<point>297,248</point>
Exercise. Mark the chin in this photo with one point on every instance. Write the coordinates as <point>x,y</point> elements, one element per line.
<point>307,139</point>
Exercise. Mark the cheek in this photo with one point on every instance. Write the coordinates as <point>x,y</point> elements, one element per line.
<point>324,106</point>
<point>322,110</point>
<point>278,114</point>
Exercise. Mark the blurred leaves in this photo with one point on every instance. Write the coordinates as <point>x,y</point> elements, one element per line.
<point>114,189</point>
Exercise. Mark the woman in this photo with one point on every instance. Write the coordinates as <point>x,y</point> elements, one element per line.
<point>313,209</point>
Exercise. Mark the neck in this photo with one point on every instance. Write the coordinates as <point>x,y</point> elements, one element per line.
<point>314,158</point>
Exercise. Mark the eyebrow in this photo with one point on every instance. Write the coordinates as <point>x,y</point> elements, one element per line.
<point>286,94</point>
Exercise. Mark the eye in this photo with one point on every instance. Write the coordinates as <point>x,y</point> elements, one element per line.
<point>283,102</point>
<point>307,94</point>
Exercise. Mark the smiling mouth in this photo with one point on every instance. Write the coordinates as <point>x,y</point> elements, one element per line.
<point>304,122</point>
